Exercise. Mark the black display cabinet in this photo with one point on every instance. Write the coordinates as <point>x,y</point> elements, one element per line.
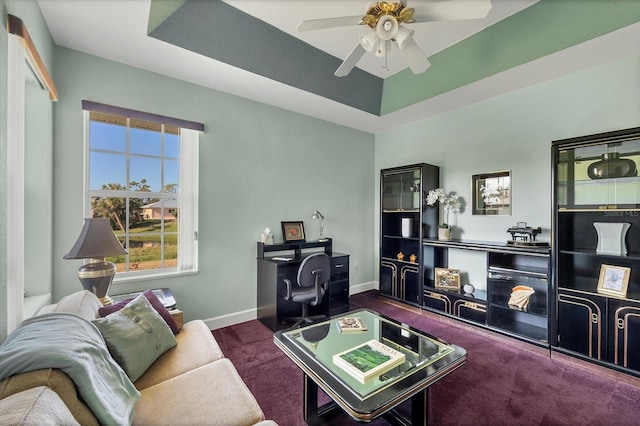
<point>404,221</point>
<point>507,266</point>
<point>596,248</point>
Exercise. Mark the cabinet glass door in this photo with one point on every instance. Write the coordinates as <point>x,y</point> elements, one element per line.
<point>600,176</point>
<point>401,191</point>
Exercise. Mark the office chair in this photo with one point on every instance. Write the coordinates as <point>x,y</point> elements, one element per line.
<point>313,275</point>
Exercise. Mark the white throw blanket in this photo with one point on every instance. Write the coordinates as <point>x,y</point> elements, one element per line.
<point>75,346</point>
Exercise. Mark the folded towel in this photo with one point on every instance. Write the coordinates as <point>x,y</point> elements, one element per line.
<point>520,297</point>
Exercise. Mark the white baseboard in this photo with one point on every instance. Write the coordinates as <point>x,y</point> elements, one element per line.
<point>251,314</point>
<point>361,288</point>
<point>231,319</point>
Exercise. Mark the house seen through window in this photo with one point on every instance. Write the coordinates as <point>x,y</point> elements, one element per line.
<point>142,175</point>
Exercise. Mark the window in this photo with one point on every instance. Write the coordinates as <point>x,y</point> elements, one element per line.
<point>142,174</point>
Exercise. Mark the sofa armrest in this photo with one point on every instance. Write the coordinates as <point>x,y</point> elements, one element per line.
<point>55,380</point>
<point>35,406</point>
<point>82,303</point>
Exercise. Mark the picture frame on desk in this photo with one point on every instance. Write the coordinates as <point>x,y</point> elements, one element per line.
<point>293,231</point>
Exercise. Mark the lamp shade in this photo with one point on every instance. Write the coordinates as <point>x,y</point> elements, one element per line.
<point>96,240</point>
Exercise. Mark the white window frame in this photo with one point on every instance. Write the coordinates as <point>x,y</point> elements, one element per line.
<point>187,196</point>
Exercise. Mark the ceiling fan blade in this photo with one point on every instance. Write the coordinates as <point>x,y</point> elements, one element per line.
<point>414,56</point>
<point>452,10</point>
<point>350,61</point>
<point>319,24</point>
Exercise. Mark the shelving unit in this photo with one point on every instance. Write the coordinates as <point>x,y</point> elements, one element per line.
<point>402,194</point>
<point>598,327</point>
<point>506,266</point>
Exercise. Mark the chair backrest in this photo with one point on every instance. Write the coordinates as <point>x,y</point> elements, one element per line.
<point>317,265</point>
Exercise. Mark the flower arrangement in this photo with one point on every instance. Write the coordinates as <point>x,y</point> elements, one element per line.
<point>449,202</point>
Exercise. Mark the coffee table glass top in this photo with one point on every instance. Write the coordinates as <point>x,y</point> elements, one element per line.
<point>425,356</point>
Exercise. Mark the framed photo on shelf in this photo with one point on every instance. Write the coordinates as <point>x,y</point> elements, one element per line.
<point>614,280</point>
<point>448,279</point>
<point>293,231</point>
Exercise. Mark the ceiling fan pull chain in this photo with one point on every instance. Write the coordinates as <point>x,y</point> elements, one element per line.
<point>386,55</point>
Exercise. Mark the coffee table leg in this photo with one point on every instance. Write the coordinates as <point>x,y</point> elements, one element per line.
<point>315,415</point>
<point>420,408</point>
<point>310,401</point>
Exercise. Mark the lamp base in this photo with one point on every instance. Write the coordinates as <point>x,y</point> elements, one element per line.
<point>96,276</point>
<point>106,301</point>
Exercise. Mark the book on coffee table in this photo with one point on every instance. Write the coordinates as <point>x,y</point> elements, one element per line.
<point>351,324</point>
<point>368,360</point>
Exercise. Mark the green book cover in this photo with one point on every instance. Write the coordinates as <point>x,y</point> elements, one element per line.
<point>368,360</point>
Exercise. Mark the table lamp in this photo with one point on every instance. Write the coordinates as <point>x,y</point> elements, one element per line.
<point>318,215</point>
<point>96,241</point>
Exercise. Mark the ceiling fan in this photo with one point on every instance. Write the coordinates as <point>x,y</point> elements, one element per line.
<point>385,33</point>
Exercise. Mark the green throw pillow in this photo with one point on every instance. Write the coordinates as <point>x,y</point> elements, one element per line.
<point>136,336</point>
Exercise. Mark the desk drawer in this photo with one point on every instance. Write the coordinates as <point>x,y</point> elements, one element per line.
<point>340,265</point>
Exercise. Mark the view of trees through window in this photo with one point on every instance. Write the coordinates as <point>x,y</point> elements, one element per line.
<point>134,181</point>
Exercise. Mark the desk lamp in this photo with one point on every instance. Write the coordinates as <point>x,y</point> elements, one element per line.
<point>96,241</point>
<point>318,215</point>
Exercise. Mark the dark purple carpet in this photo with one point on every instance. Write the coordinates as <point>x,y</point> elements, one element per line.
<point>503,383</point>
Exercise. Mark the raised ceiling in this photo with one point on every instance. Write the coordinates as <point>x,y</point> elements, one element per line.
<point>250,48</point>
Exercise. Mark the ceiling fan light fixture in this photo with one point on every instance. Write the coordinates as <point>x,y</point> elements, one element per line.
<point>402,36</point>
<point>387,27</point>
<point>369,41</point>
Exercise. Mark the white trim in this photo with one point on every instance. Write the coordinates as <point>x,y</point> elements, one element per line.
<point>15,180</point>
<point>362,287</point>
<point>231,319</point>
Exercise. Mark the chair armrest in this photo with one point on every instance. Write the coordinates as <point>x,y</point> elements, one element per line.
<point>288,289</point>
<point>319,293</point>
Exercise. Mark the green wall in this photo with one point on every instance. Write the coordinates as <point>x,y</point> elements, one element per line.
<point>514,132</point>
<point>259,165</point>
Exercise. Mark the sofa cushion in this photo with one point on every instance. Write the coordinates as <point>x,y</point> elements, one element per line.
<point>35,406</point>
<point>82,303</point>
<point>136,336</point>
<point>213,394</point>
<point>196,347</point>
<point>58,382</point>
<point>155,302</point>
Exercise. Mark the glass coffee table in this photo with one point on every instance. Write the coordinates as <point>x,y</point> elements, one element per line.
<point>424,359</point>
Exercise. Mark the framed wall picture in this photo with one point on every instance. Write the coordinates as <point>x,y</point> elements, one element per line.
<point>292,231</point>
<point>448,279</point>
<point>614,280</point>
<point>491,193</point>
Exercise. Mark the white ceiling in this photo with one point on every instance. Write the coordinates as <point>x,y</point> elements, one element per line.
<point>117,30</point>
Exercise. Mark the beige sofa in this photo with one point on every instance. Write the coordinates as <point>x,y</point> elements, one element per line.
<point>190,384</point>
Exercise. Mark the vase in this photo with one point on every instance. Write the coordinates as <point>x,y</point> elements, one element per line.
<point>444,234</point>
<point>612,166</point>
<point>611,238</point>
<point>406,227</point>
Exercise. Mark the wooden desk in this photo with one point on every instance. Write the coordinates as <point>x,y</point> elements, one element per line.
<point>272,308</point>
